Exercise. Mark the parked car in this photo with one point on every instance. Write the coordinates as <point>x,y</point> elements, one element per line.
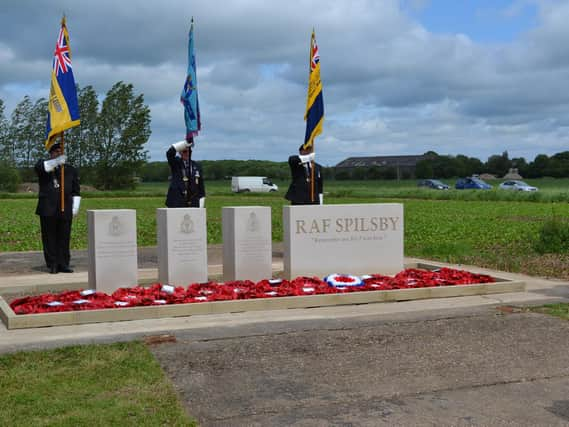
<point>517,186</point>
<point>435,184</point>
<point>471,183</point>
<point>259,184</point>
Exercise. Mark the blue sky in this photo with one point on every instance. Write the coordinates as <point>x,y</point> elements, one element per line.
<point>484,21</point>
<point>400,76</point>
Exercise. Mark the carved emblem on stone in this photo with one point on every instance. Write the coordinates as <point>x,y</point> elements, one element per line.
<point>187,225</point>
<point>115,226</point>
<point>252,223</point>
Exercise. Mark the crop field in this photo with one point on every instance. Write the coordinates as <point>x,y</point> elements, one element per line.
<point>497,232</point>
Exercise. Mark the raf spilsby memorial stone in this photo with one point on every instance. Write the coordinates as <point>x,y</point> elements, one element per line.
<point>112,249</point>
<point>247,244</point>
<point>354,239</point>
<point>182,246</point>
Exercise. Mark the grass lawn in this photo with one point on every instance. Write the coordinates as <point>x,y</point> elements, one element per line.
<point>94,385</point>
<point>495,229</point>
<point>559,310</point>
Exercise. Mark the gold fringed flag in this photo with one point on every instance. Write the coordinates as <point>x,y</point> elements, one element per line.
<point>189,97</point>
<point>314,115</point>
<point>63,108</point>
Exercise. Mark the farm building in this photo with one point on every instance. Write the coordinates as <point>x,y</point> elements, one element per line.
<point>402,164</point>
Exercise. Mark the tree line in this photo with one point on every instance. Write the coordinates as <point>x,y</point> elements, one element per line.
<point>108,145</point>
<point>108,148</point>
<point>432,166</point>
<point>437,166</point>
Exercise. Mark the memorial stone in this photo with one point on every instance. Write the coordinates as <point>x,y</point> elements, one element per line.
<point>247,243</point>
<point>112,251</point>
<point>182,245</point>
<point>345,239</point>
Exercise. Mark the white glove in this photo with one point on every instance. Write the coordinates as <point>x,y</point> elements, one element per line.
<point>202,202</point>
<point>305,158</point>
<point>50,165</point>
<point>76,203</point>
<point>181,146</point>
<point>321,197</point>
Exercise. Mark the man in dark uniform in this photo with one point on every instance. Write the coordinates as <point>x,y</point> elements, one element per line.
<point>55,224</point>
<point>187,185</point>
<point>299,191</point>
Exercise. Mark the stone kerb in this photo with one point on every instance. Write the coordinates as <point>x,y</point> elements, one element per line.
<point>182,245</point>
<point>352,239</point>
<point>247,243</point>
<point>112,251</point>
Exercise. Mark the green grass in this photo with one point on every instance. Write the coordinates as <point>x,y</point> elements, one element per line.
<point>559,310</point>
<point>104,385</point>
<point>490,233</point>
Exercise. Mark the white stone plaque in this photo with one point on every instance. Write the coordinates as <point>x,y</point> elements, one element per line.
<point>247,243</point>
<point>113,256</point>
<point>182,245</point>
<point>344,239</point>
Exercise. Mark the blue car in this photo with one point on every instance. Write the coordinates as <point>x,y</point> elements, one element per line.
<point>471,183</point>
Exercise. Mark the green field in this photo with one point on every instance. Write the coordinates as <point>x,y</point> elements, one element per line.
<point>492,228</point>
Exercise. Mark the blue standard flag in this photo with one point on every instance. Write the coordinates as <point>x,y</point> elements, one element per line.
<point>189,95</point>
<point>62,108</point>
<point>314,115</point>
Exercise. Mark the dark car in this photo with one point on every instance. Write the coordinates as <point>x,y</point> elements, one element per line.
<point>472,183</point>
<point>435,184</point>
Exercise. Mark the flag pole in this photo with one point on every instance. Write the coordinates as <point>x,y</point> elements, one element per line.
<point>313,142</point>
<point>62,179</point>
<point>312,162</point>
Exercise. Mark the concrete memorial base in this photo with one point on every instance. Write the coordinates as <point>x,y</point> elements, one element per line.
<point>247,243</point>
<point>112,251</point>
<point>345,239</point>
<point>182,245</point>
<point>13,321</point>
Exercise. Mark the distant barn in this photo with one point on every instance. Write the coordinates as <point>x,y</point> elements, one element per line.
<point>403,165</point>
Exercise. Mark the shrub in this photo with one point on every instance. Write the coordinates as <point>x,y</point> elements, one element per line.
<point>9,179</point>
<point>553,237</point>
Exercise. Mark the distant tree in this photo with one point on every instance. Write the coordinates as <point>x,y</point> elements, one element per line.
<point>82,139</point>
<point>342,174</point>
<point>498,165</point>
<point>373,172</point>
<point>4,141</point>
<point>424,169</point>
<point>539,167</point>
<point>36,148</point>
<point>559,165</point>
<point>359,173</point>
<point>155,172</point>
<point>20,132</point>
<point>123,129</point>
<point>521,165</point>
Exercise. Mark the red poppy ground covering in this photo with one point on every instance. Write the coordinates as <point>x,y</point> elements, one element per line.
<point>158,294</point>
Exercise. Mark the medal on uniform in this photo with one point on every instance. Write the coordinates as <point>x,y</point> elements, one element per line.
<point>55,183</point>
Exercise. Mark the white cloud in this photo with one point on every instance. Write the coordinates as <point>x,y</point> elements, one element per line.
<point>390,86</point>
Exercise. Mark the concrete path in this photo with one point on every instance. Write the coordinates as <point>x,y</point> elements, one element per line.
<point>452,367</point>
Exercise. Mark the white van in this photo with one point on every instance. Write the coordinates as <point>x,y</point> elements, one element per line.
<point>258,184</point>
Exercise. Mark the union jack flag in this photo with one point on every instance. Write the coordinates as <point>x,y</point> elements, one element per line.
<point>62,107</point>
<point>315,59</point>
<point>61,59</point>
<point>314,115</point>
